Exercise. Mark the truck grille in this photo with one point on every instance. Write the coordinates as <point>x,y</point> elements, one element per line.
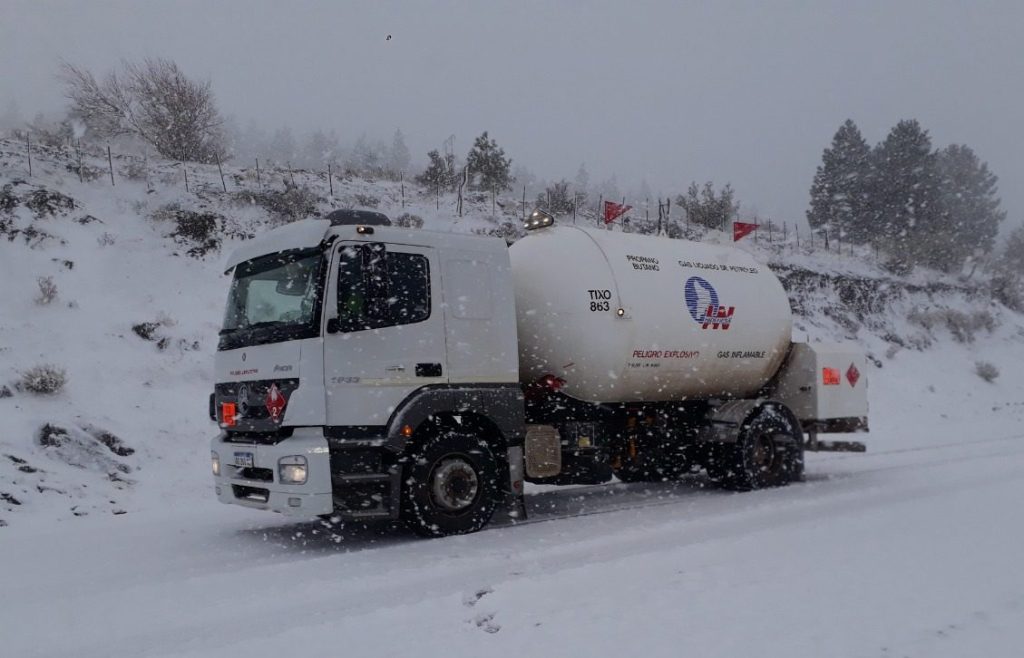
<point>250,493</point>
<point>260,474</point>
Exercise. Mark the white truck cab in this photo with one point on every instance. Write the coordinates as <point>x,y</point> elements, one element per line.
<point>343,336</point>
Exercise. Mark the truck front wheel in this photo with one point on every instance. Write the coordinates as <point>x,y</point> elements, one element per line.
<point>451,485</point>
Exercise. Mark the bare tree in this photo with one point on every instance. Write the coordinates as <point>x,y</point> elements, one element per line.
<point>556,198</point>
<point>153,101</point>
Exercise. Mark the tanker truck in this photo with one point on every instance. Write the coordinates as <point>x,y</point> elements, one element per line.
<point>369,371</point>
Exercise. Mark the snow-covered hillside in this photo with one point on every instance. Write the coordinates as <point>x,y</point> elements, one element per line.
<point>113,536</point>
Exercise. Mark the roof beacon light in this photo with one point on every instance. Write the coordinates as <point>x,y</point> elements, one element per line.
<point>538,219</point>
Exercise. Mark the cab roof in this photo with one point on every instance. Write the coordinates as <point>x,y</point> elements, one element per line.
<point>310,233</point>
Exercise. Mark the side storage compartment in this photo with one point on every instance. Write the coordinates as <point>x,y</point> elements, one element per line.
<point>825,385</point>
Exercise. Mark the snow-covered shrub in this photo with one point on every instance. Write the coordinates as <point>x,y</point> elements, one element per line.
<point>44,379</point>
<point>507,230</point>
<point>52,436</point>
<point>1008,290</point>
<point>199,230</point>
<point>146,330</point>
<point>113,443</point>
<point>8,199</point>
<point>106,240</point>
<point>167,213</point>
<point>198,227</point>
<point>293,203</point>
<point>49,203</point>
<point>87,173</point>
<point>47,290</point>
<point>986,371</point>
<point>137,170</point>
<point>367,200</point>
<point>961,325</point>
<point>406,220</point>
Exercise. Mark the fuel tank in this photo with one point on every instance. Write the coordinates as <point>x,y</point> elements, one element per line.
<point>622,317</point>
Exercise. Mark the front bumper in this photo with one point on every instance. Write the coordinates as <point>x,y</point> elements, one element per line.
<point>258,486</point>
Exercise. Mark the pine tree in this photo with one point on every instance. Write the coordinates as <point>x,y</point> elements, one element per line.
<point>839,193</point>
<point>705,207</point>
<point>320,148</point>
<point>582,183</point>
<point>1012,257</point>
<point>439,172</point>
<point>282,146</point>
<point>251,145</point>
<point>906,206</point>
<point>398,155</point>
<point>971,212</point>
<point>10,120</point>
<point>488,166</point>
<point>609,189</point>
<point>367,157</point>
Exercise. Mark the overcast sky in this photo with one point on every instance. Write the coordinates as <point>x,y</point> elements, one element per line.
<point>669,91</point>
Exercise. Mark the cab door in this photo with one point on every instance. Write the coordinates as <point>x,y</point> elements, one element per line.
<point>385,333</point>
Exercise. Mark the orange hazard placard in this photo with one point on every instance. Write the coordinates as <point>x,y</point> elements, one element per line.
<point>830,376</point>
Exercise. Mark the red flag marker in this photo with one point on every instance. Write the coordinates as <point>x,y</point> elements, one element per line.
<point>740,229</point>
<point>613,211</point>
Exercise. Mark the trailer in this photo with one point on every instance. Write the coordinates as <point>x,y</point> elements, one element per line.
<point>367,371</point>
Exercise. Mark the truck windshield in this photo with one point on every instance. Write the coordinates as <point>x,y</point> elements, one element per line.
<point>274,298</point>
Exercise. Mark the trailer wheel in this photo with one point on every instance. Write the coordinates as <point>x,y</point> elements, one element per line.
<point>451,485</point>
<point>768,453</point>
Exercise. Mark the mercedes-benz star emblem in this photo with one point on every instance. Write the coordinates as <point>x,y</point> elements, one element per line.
<point>243,400</point>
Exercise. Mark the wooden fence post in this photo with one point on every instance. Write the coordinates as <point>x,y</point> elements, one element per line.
<point>110,161</point>
<point>259,183</point>
<point>330,181</point>
<point>222,183</point>
<point>28,149</point>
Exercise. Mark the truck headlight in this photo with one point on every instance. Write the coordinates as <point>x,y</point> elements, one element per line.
<point>292,470</point>
<point>215,463</point>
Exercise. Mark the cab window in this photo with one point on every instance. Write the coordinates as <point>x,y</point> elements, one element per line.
<point>379,288</point>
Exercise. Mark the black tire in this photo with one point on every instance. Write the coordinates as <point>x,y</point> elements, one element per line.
<point>451,485</point>
<point>767,453</point>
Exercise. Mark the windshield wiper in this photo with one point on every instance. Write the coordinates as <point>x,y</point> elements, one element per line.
<point>255,325</point>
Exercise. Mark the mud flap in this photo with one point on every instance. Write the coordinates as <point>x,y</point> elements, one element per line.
<point>515,499</point>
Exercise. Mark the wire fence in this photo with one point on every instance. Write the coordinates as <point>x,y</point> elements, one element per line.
<point>268,174</point>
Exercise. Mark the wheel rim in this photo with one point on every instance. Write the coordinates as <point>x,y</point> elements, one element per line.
<point>763,454</point>
<point>454,484</point>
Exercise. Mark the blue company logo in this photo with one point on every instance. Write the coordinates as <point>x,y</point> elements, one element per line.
<point>699,296</point>
<point>702,303</point>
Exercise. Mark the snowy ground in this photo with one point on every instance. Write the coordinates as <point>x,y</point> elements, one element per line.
<point>909,550</point>
<point>899,553</point>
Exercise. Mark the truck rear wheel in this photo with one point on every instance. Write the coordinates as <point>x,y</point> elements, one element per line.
<point>768,453</point>
<point>451,486</point>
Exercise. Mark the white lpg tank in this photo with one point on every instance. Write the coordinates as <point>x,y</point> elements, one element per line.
<point>622,317</point>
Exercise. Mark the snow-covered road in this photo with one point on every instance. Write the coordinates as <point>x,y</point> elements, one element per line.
<point>910,552</point>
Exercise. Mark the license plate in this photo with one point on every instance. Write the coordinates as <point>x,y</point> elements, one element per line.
<point>244,460</point>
